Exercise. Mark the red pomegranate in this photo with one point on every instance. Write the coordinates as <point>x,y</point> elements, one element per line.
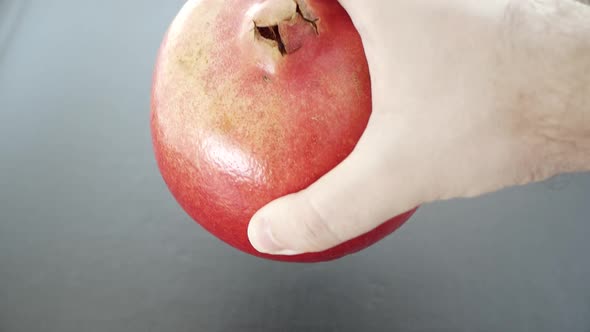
<point>256,99</point>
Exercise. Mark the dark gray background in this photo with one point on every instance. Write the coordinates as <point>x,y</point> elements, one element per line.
<point>91,240</point>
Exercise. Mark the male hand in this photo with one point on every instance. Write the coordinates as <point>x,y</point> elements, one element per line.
<point>468,97</point>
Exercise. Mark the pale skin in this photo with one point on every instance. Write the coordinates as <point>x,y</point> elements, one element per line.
<point>469,97</point>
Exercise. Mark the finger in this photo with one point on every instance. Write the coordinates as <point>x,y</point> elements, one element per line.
<point>355,197</point>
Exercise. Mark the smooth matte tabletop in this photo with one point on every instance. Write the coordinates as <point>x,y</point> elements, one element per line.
<point>91,239</point>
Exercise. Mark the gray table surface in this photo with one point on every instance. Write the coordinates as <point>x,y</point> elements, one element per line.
<point>91,240</point>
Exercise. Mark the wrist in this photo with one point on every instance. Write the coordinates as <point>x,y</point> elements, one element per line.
<point>553,91</point>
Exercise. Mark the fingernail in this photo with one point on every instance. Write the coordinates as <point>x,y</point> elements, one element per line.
<point>262,239</point>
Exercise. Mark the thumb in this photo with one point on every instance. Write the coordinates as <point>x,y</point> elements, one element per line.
<point>352,199</point>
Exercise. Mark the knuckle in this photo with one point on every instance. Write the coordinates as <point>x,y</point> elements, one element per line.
<point>316,229</point>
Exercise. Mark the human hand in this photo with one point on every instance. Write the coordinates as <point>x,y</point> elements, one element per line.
<point>468,97</point>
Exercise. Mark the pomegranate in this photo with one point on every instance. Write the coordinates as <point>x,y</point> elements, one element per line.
<point>253,100</point>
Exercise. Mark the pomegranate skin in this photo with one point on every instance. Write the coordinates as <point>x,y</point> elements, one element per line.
<point>239,119</point>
